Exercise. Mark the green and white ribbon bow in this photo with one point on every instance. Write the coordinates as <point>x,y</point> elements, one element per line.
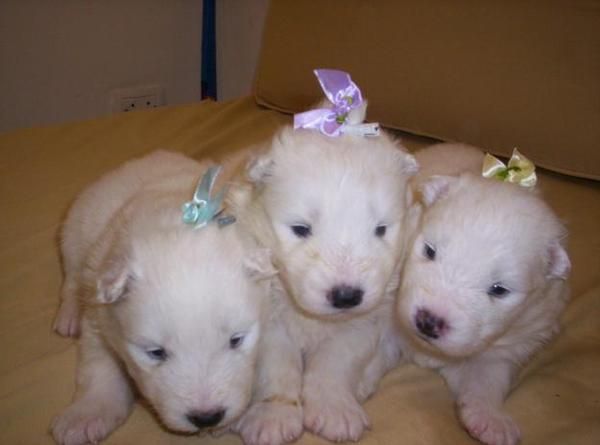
<point>519,169</point>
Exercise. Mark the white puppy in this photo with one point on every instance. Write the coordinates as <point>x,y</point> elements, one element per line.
<point>174,309</point>
<point>483,287</point>
<point>333,211</point>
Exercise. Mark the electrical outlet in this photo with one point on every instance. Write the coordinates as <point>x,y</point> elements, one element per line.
<point>136,98</point>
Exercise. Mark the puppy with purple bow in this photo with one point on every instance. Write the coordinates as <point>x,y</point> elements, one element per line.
<point>329,197</point>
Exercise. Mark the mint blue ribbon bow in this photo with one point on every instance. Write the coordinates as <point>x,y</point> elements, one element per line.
<point>203,208</point>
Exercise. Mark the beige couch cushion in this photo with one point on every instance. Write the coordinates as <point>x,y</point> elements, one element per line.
<point>495,74</point>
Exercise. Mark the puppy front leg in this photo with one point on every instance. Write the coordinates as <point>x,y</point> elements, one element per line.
<point>331,381</point>
<point>480,387</point>
<point>66,322</point>
<point>275,416</point>
<point>103,398</point>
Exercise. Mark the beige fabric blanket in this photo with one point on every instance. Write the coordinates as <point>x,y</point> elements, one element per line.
<point>556,400</point>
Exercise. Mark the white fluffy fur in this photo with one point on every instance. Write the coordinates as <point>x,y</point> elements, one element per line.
<point>146,280</point>
<point>483,232</point>
<point>318,362</point>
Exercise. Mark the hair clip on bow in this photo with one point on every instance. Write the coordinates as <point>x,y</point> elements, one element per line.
<point>203,208</point>
<point>345,97</point>
<point>519,169</point>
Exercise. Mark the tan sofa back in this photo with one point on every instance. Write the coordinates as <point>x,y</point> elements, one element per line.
<point>495,74</point>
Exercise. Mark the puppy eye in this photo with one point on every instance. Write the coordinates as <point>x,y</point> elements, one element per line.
<point>429,251</point>
<point>496,290</point>
<point>380,231</point>
<point>236,340</point>
<point>158,354</point>
<point>302,230</point>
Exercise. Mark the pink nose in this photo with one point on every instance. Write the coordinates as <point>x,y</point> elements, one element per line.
<point>429,324</point>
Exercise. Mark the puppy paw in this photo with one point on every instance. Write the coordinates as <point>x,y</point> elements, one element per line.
<point>336,417</point>
<point>270,423</point>
<point>85,423</point>
<point>66,322</point>
<point>488,424</point>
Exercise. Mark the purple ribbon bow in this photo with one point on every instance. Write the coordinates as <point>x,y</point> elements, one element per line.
<point>344,96</point>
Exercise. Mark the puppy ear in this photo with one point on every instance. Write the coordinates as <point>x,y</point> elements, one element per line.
<point>258,264</point>
<point>238,198</point>
<point>434,188</point>
<point>259,168</point>
<point>113,279</point>
<point>410,166</point>
<point>559,264</point>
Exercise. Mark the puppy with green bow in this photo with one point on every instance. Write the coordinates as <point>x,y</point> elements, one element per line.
<point>484,284</point>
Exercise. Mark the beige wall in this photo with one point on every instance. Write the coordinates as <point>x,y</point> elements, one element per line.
<point>239,26</point>
<point>59,59</point>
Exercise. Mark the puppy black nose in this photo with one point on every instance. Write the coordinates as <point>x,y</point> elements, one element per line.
<point>429,324</point>
<point>205,419</point>
<point>344,297</point>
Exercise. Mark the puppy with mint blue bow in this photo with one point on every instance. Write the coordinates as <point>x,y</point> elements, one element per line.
<point>330,199</point>
<point>168,295</point>
<point>484,285</point>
